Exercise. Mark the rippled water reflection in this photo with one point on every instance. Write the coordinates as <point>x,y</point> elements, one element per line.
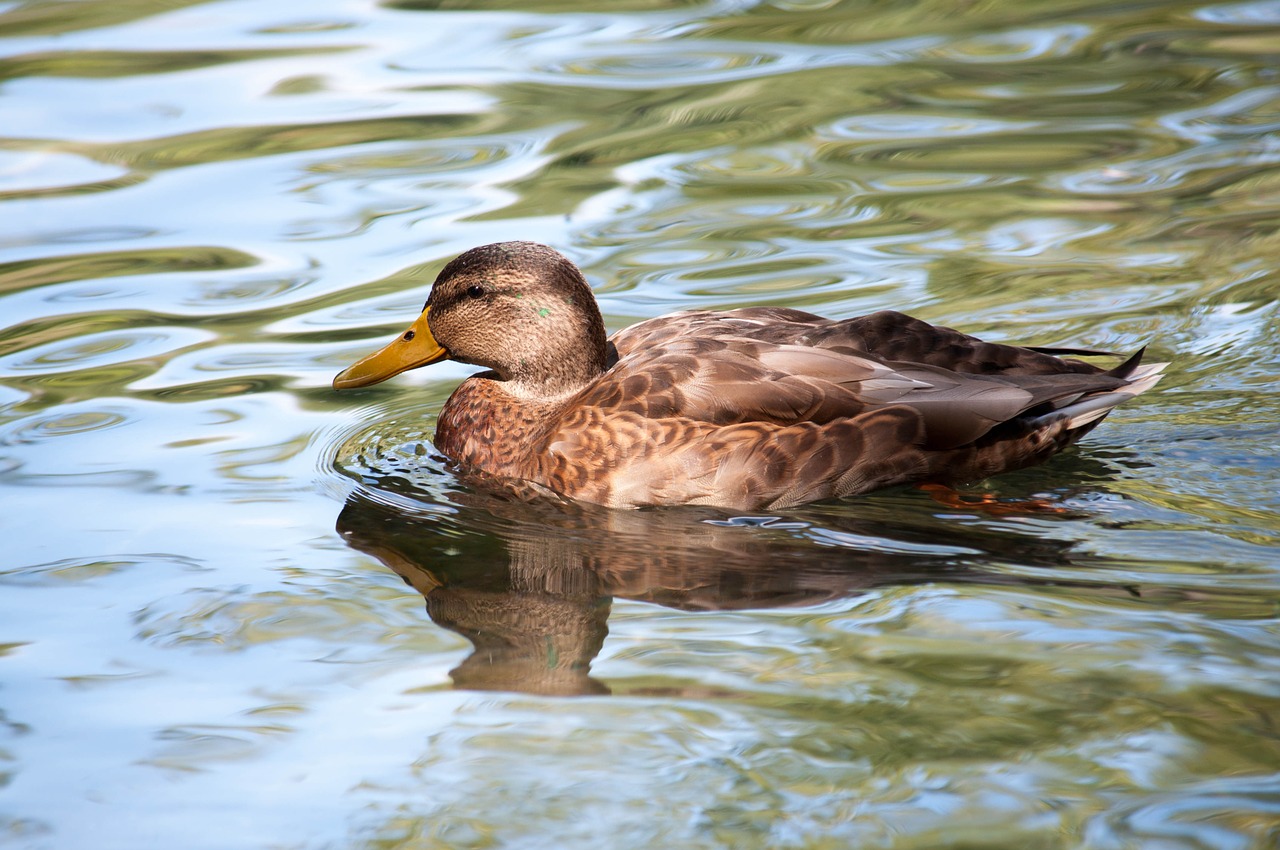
<point>206,636</point>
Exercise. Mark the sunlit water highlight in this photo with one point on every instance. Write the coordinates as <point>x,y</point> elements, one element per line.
<point>237,610</point>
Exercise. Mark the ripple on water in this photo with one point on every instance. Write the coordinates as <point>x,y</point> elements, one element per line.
<point>30,274</point>
<point>1016,45</point>
<point>431,160</point>
<point>1252,114</point>
<point>997,154</point>
<point>866,126</point>
<point>32,173</point>
<point>338,627</point>
<point>679,64</point>
<point>1264,12</point>
<point>95,351</point>
<point>248,366</point>
<point>395,454</point>
<point>1218,813</point>
<point>1180,174</point>
<point>63,423</point>
<point>71,570</point>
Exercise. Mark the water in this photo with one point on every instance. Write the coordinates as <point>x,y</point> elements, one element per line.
<point>239,610</point>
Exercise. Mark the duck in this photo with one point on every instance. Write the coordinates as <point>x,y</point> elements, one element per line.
<point>757,408</point>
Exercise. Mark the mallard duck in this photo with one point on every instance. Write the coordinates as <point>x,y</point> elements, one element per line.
<point>749,409</point>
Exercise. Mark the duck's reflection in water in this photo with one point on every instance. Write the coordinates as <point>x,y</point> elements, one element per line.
<point>531,585</point>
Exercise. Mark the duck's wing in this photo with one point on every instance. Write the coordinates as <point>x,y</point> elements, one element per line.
<point>768,408</point>
<point>955,408</point>
<point>886,335</point>
<point>704,370</point>
<point>767,324</point>
<point>893,336</point>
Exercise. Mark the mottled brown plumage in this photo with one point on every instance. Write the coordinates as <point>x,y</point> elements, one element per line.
<point>753,408</point>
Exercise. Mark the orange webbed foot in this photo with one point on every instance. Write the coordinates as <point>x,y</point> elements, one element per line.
<point>988,503</point>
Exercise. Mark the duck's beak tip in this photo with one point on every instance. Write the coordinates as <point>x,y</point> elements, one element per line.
<point>344,381</point>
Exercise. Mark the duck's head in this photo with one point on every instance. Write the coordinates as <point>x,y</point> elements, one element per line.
<point>519,308</point>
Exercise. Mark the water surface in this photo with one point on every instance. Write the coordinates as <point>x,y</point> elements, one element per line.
<point>238,610</point>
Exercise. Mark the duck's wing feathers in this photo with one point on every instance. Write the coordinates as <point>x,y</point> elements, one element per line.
<point>893,336</point>
<point>703,368</point>
<point>886,335</point>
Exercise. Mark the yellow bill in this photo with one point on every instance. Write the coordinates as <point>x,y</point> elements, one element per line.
<point>413,348</point>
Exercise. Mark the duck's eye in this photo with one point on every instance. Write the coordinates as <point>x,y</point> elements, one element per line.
<point>475,291</point>
<point>408,335</point>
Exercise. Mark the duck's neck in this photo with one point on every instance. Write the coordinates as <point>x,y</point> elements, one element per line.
<point>554,379</point>
<point>556,360</point>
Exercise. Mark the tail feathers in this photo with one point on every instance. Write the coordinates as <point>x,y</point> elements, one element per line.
<point>1127,368</point>
<point>1090,408</point>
